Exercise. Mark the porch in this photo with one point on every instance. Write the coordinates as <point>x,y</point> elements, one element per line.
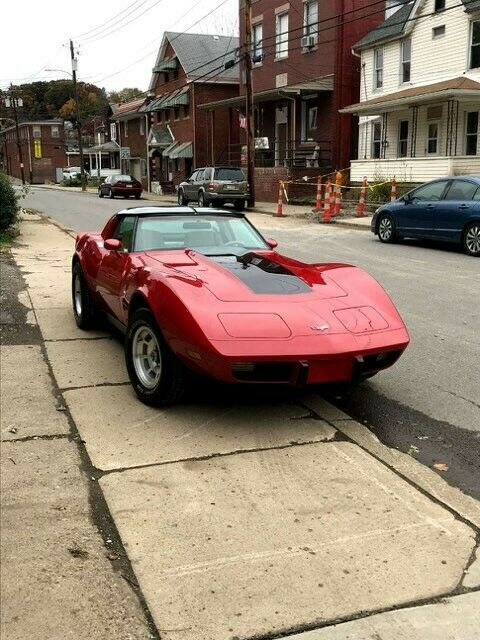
<point>420,133</point>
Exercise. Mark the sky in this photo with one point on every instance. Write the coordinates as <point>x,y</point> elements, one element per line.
<point>117,41</point>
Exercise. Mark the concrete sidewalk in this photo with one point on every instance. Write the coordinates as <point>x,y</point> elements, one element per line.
<point>248,515</point>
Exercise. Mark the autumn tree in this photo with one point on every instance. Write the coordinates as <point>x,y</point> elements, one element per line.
<point>124,95</point>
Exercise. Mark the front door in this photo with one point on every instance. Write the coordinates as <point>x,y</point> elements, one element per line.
<point>416,218</point>
<point>281,135</point>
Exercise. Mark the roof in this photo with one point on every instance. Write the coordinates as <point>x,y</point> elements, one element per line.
<point>392,27</point>
<point>160,135</point>
<point>455,86</point>
<point>34,122</point>
<point>194,50</point>
<point>397,24</point>
<point>175,210</point>
<point>128,108</point>
<point>168,100</point>
<point>105,147</point>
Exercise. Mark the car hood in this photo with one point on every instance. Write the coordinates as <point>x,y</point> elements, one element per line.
<point>254,276</point>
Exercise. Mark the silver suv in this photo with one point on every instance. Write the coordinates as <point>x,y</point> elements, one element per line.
<point>215,185</point>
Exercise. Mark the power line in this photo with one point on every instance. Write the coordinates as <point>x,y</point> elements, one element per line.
<point>80,35</point>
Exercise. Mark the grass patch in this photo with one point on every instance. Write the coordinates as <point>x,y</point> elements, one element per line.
<point>7,237</point>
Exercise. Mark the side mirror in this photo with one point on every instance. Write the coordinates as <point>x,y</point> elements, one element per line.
<point>272,243</point>
<point>407,198</point>
<point>112,244</point>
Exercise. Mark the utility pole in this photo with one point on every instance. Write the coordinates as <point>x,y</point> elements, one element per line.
<point>15,104</point>
<point>249,104</point>
<point>77,114</point>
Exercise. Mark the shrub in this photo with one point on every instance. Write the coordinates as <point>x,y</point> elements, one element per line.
<point>72,182</point>
<point>9,207</point>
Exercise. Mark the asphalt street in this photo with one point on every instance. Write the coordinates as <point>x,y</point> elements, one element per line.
<point>428,404</point>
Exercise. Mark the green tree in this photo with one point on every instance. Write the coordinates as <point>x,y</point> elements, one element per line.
<point>9,206</point>
<point>124,95</point>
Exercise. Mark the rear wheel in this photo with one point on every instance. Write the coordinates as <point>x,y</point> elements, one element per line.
<point>100,194</point>
<point>111,194</point>
<point>156,374</point>
<point>471,239</point>
<point>239,205</point>
<point>83,306</point>
<point>386,228</point>
<point>137,196</point>
<point>201,200</point>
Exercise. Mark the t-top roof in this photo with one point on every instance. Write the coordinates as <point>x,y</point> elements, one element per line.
<point>175,210</point>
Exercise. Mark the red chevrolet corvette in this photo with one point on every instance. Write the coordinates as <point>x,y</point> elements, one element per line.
<point>201,289</point>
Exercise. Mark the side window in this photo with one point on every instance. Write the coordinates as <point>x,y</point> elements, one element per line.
<point>207,174</point>
<point>193,177</point>
<point>199,177</point>
<point>124,232</point>
<point>432,191</point>
<point>461,190</point>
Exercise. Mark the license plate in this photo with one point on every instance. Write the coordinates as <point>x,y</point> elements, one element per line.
<point>129,186</point>
<point>230,187</point>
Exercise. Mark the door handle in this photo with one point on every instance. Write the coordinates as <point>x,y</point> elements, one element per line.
<point>430,206</point>
<point>463,206</point>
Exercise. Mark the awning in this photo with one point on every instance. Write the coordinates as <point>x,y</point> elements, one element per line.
<point>169,64</point>
<point>160,136</point>
<point>168,100</point>
<point>312,86</point>
<point>184,150</point>
<point>456,88</point>
<point>106,147</point>
<point>167,152</point>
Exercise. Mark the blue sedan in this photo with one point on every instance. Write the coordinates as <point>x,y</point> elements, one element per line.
<point>447,209</point>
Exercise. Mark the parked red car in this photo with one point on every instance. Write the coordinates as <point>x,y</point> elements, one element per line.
<point>201,289</point>
<point>120,185</point>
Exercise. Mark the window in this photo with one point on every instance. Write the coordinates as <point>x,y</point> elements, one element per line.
<point>310,18</point>
<point>37,131</point>
<point>186,111</point>
<point>257,35</point>
<point>124,232</point>
<point>207,174</point>
<point>461,190</point>
<point>309,121</point>
<point>475,45</point>
<point>55,131</point>
<point>141,126</point>
<point>281,36</point>
<point>439,5</point>
<point>471,133</point>
<point>125,128</point>
<point>438,32</point>
<point>432,191</point>
<point>378,68</point>
<point>406,57</point>
<point>402,139</point>
<point>176,113</point>
<point>225,173</point>
<point>376,139</point>
<point>432,137</point>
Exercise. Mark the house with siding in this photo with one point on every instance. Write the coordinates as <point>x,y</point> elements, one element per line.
<point>190,69</point>
<point>420,93</point>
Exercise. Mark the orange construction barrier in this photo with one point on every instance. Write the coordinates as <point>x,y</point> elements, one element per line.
<point>326,217</point>
<point>318,205</point>
<point>361,201</point>
<point>393,192</point>
<point>337,194</point>
<point>280,201</point>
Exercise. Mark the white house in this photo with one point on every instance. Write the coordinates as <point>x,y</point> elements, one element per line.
<point>420,92</point>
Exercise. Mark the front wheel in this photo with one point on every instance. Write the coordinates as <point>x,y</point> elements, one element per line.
<point>100,194</point>
<point>156,374</point>
<point>181,199</point>
<point>386,228</point>
<point>471,239</point>
<point>111,194</point>
<point>83,306</point>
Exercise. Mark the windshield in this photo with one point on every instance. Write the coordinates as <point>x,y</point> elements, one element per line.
<point>209,234</point>
<point>227,173</point>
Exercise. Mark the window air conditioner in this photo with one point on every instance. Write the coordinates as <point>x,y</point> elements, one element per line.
<point>308,42</point>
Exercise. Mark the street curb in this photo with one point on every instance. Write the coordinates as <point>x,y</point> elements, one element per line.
<point>353,225</point>
<point>421,476</point>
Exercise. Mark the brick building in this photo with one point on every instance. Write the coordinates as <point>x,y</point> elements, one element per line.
<point>131,131</point>
<point>43,150</point>
<point>304,71</point>
<point>189,71</point>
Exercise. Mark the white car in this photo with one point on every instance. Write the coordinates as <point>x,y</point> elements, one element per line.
<point>72,172</point>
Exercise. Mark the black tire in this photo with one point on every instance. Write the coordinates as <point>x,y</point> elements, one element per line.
<point>137,196</point>
<point>386,228</point>
<point>84,310</point>
<point>126,196</point>
<point>181,199</point>
<point>239,205</point>
<point>170,387</point>
<point>111,194</point>
<point>202,201</point>
<point>219,203</point>
<point>471,239</point>
<point>100,194</point>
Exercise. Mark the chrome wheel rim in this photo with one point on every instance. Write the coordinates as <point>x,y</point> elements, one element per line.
<point>180,198</point>
<point>472,239</point>
<point>200,200</point>
<point>147,359</point>
<point>77,289</point>
<point>385,229</point>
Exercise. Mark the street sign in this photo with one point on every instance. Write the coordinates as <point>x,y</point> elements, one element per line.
<point>125,153</point>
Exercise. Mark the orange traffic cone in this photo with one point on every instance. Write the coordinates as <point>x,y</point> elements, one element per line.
<point>326,217</point>
<point>393,192</point>
<point>280,201</point>
<point>318,205</point>
<point>361,201</point>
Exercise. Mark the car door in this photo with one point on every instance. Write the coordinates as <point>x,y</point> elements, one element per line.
<point>461,199</point>
<point>188,187</point>
<point>104,186</point>
<point>198,183</point>
<point>416,218</point>
<point>115,267</point>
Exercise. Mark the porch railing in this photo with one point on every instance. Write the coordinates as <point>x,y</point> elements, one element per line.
<point>276,152</point>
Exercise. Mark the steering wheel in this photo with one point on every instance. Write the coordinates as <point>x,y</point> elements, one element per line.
<point>234,243</point>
